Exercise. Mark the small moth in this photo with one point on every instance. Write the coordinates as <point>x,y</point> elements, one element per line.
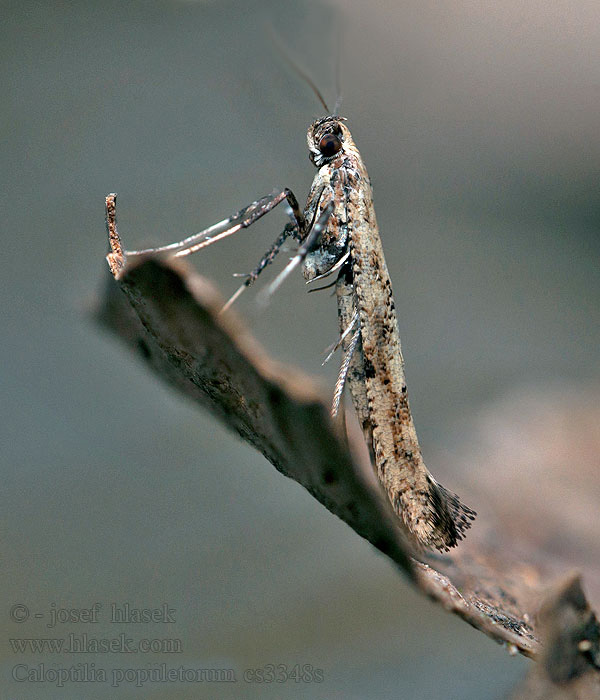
<point>337,234</point>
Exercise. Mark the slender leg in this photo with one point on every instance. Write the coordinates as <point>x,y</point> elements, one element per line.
<point>309,239</point>
<point>242,219</point>
<point>208,235</point>
<point>343,373</point>
<point>332,348</point>
<point>310,242</point>
<point>267,259</point>
<point>258,210</point>
<point>331,270</point>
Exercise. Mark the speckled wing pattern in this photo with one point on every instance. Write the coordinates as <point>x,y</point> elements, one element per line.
<point>376,380</point>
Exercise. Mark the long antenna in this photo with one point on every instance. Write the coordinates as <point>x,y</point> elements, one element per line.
<point>294,65</point>
<point>338,66</point>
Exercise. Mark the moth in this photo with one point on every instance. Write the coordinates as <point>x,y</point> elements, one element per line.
<point>338,235</point>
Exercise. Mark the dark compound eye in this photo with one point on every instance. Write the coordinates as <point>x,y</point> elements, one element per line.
<point>329,145</point>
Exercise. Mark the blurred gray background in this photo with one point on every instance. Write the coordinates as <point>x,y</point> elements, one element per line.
<point>479,125</point>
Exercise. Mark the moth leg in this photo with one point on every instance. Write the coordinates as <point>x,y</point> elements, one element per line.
<point>241,219</point>
<point>267,259</point>
<point>331,270</point>
<point>290,230</point>
<point>332,348</point>
<point>310,243</point>
<point>343,373</point>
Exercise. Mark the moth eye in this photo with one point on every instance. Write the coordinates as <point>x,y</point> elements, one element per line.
<point>329,145</point>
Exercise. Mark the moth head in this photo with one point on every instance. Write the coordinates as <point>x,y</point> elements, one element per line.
<point>325,138</point>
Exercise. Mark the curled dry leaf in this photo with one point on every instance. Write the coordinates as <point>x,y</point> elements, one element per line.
<point>497,582</point>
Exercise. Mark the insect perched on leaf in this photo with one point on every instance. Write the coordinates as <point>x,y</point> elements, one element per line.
<point>337,234</point>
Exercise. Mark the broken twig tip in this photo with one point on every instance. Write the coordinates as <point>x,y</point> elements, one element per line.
<point>116,257</point>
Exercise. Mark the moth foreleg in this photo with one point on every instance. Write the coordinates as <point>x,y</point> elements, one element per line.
<point>243,218</point>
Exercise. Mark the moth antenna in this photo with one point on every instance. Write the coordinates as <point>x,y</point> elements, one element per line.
<point>338,68</point>
<point>338,104</point>
<point>296,67</point>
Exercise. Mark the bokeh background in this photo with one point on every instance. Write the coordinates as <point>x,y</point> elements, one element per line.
<point>479,125</point>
